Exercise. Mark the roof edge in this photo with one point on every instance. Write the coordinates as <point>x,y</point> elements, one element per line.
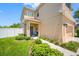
<point>32,9</point>
<point>28,8</point>
<point>39,6</point>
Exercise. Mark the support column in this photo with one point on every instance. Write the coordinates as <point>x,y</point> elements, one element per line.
<point>28,29</point>
<point>39,30</point>
<point>73,31</point>
<point>25,33</point>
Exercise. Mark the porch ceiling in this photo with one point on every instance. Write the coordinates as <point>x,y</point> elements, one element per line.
<point>33,20</point>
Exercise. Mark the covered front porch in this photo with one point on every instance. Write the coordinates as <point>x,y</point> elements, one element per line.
<point>32,27</point>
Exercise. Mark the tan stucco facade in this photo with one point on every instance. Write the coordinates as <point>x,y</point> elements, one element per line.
<point>54,21</point>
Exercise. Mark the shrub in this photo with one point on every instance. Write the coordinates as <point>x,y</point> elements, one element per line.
<point>55,41</point>
<point>21,34</point>
<point>27,38</point>
<point>55,52</point>
<point>38,41</point>
<point>73,46</point>
<point>44,50</point>
<point>44,38</point>
<point>20,37</point>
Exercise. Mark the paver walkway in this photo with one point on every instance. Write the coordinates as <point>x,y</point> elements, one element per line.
<point>65,51</point>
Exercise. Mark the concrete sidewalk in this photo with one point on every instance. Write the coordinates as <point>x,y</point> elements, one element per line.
<point>63,50</point>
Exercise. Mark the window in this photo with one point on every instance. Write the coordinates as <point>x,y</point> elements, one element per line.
<point>29,13</point>
<point>37,14</point>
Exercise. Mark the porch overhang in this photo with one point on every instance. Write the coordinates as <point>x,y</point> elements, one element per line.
<point>31,20</point>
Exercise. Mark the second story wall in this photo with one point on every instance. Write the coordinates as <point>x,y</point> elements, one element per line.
<point>28,12</point>
<point>50,19</point>
<point>47,9</point>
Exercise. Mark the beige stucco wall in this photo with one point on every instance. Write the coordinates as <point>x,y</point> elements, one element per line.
<point>67,32</point>
<point>51,23</point>
<point>52,16</point>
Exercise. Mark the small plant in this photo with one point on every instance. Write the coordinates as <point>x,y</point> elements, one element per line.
<point>27,38</point>
<point>55,41</point>
<point>20,38</point>
<point>21,34</point>
<point>55,52</point>
<point>44,38</point>
<point>38,41</point>
<point>44,50</point>
<point>73,46</point>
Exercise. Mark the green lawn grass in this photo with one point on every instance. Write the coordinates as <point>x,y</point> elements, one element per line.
<point>11,47</point>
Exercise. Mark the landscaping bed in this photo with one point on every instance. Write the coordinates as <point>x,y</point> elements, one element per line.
<point>21,46</point>
<point>72,45</point>
<point>45,50</point>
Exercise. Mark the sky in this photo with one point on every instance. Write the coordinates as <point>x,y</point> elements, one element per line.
<point>10,13</point>
<point>75,6</point>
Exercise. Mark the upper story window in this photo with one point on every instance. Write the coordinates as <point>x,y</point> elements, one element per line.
<point>29,13</point>
<point>37,14</point>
